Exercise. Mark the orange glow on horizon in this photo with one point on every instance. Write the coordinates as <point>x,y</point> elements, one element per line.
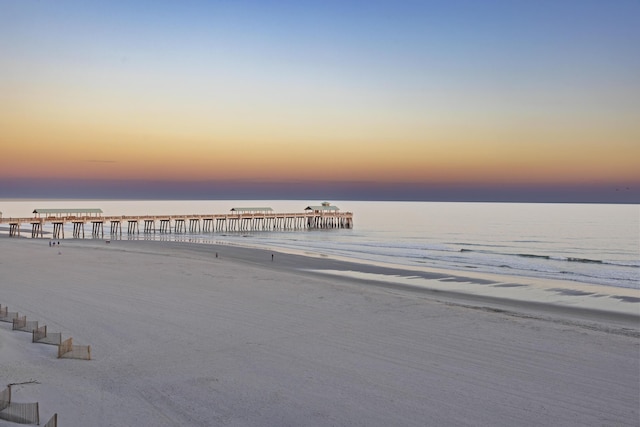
<point>59,144</point>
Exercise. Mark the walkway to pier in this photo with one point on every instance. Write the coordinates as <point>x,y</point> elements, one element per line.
<point>240,219</point>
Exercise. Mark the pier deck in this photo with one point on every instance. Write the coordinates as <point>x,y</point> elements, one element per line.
<point>239,221</point>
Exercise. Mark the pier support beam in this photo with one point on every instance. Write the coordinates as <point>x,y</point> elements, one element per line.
<point>116,228</point>
<point>14,229</point>
<point>133,227</point>
<point>179,225</point>
<point>78,228</point>
<point>97,229</point>
<point>58,230</point>
<point>165,226</point>
<point>37,229</point>
<point>149,226</point>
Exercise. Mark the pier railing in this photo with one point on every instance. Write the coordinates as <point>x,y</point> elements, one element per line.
<point>242,221</point>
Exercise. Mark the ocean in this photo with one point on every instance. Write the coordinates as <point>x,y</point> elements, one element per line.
<point>587,243</point>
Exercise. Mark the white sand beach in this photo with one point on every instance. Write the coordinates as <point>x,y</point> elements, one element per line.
<point>181,336</point>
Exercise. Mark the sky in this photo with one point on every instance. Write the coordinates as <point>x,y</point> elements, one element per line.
<point>400,99</point>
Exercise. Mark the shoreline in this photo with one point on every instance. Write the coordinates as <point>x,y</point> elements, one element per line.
<point>553,297</point>
<point>484,290</point>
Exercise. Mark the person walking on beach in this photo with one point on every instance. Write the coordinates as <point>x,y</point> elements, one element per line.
<point>271,257</point>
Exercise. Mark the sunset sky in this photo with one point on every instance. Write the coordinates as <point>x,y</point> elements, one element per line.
<point>427,100</point>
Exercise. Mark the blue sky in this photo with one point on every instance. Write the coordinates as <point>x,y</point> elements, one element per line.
<point>413,93</point>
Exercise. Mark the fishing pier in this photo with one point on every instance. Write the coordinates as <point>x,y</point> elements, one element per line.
<point>324,216</point>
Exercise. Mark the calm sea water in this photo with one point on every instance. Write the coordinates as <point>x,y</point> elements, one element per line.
<point>598,244</point>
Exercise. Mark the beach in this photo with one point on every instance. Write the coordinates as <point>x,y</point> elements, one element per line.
<point>205,335</point>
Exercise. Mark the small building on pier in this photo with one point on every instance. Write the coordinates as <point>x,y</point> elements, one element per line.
<point>324,207</point>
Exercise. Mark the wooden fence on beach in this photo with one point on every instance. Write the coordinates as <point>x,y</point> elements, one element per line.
<point>39,334</point>
<point>68,350</point>
<point>6,315</point>
<point>21,413</point>
<point>22,324</point>
<point>28,413</point>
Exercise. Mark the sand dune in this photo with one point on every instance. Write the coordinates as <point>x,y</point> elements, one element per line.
<point>182,338</point>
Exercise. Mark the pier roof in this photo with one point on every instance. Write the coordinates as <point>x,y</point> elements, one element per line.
<point>323,207</point>
<point>259,209</point>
